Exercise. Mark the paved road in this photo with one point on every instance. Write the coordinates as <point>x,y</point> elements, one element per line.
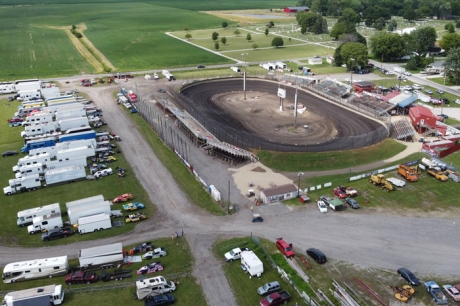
<point>426,245</point>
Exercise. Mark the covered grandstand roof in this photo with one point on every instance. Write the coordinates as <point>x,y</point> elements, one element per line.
<point>407,101</point>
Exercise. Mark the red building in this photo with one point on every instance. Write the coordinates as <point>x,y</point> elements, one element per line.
<point>422,117</point>
<point>295,9</point>
<point>363,86</point>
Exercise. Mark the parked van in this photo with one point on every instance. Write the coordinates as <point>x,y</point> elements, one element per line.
<point>317,255</point>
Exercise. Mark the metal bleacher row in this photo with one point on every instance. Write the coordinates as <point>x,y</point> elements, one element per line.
<point>403,129</point>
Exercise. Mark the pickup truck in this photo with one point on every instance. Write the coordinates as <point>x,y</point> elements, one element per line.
<point>439,175</point>
<point>234,254</point>
<point>57,233</point>
<point>276,298</point>
<point>80,277</point>
<point>435,291</point>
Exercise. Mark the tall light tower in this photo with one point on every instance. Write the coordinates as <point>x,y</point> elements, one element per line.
<point>244,76</point>
<point>295,102</point>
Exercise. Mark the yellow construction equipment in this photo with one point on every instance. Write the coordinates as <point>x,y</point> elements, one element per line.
<point>379,179</point>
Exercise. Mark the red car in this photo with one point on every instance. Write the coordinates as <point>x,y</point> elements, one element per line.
<point>285,248</point>
<point>338,192</point>
<point>123,198</point>
<point>15,119</point>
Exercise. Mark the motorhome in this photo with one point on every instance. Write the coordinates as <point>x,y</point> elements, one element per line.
<point>85,152</point>
<point>30,169</point>
<point>38,117</point>
<point>36,268</point>
<point>7,87</point>
<point>31,160</point>
<point>45,223</point>
<point>46,295</point>
<point>168,75</point>
<point>24,111</point>
<point>29,95</point>
<point>39,129</point>
<point>153,286</point>
<point>25,217</point>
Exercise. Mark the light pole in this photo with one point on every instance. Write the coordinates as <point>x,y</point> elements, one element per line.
<point>244,76</point>
<point>298,185</point>
<point>295,102</point>
<point>442,102</point>
<point>351,73</point>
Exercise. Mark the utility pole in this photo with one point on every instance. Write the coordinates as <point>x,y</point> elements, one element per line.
<point>244,76</point>
<point>295,102</point>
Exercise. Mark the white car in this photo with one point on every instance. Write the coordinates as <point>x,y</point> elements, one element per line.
<point>103,172</point>
<point>416,92</point>
<point>322,206</point>
<point>416,86</point>
<point>457,101</point>
<point>408,73</point>
<point>158,252</point>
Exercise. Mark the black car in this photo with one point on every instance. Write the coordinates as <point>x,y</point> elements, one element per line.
<point>57,233</point>
<point>163,299</point>
<point>9,153</point>
<point>257,218</point>
<point>352,203</point>
<point>317,255</point>
<point>445,101</point>
<point>201,66</point>
<point>408,276</point>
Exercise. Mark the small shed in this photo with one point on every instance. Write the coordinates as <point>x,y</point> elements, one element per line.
<point>422,116</point>
<point>278,193</point>
<point>317,60</point>
<point>295,9</point>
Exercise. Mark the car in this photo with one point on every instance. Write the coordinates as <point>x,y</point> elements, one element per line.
<point>416,92</point>
<point>352,203</point>
<point>439,91</point>
<point>133,206</point>
<point>123,198</point>
<point>408,276</point>
<point>428,91</point>
<point>161,90</point>
<point>444,116</point>
<point>416,86</point>
<point>285,248</point>
<point>453,292</point>
<point>15,119</point>
<point>445,101</point>
<point>349,191</point>
<point>317,255</point>
<point>87,84</point>
<point>407,73</point>
<point>160,300</point>
<point>143,247</point>
<point>14,124</point>
<point>103,172</point>
<point>150,268</point>
<point>402,77</point>
<point>338,192</point>
<point>57,233</point>
<point>156,253</point>
<point>9,153</point>
<point>201,66</point>
<point>325,199</point>
<point>135,217</point>
<point>257,218</point>
<point>457,101</point>
<point>322,206</point>
<point>269,288</point>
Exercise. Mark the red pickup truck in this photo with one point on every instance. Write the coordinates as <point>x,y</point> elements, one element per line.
<point>81,277</point>
<point>285,248</point>
<point>276,298</point>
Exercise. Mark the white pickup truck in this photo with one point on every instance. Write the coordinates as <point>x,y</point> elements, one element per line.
<point>234,254</point>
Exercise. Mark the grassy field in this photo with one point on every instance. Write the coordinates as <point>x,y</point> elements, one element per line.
<point>292,162</point>
<point>178,260</point>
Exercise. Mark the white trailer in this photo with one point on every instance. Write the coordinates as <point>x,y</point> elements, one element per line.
<point>28,85</point>
<point>23,111</point>
<point>235,69</point>
<point>25,95</point>
<point>94,223</point>
<point>45,223</point>
<point>76,144</point>
<point>150,287</point>
<point>26,183</point>
<point>36,268</point>
<point>53,108</point>
<point>61,99</point>
<point>71,107</point>
<point>54,164</point>
<point>25,217</point>
<point>85,201</point>
<point>30,169</point>
<point>111,254</point>
<point>77,212</point>
<point>64,175</point>
<point>50,92</point>
<point>7,87</point>
<point>39,129</point>
<point>252,264</point>
<point>280,65</point>
<point>69,114</point>
<point>50,150</point>
<point>168,75</point>
<point>38,117</point>
<point>32,160</point>
<point>73,123</point>
<point>46,295</point>
<point>80,152</point>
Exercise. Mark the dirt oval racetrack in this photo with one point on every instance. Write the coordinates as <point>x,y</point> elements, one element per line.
<point>257,122</point>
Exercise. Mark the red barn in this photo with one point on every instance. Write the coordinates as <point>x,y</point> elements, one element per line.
<point>422,117</point>
<point>295,9</point>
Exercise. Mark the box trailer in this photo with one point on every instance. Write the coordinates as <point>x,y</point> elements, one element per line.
<point>73,123</point>
<point>36,268</point>
<point>45,295</point>
<point>39,129</point>
<point>168,75</point>
<point>30,169</point>
<point>77,212</point>
<point>28,85</point>
<point>38,143</point>
<point>64,175</point>
<point>84,201</point>
<point>251,263</point>
<point>32,160</point>
<point>53,108</point>
<point>54,164</point>
<point>78,136</point>
<point>94,223</point>
<point>45,223</point>
<point>80,152</point>
<point>50,92</point>
<point>50,150</point>
<point>26,183</point>
<point>70,114</point>
<point>64,145</point>
<point>101,256</point>
<point>25,217</point>
<point>38,117</point>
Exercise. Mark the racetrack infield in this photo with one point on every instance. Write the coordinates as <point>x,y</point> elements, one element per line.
<point>257,122</point>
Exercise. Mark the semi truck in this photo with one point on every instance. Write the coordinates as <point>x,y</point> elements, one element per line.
<point>77,136</point>
<point>80,152</point>
<point>103,256</point>
<point>38,143</point>
<point>54,164</point>
<point>26,183</point>
<point>45,295</point>
<point>38,117</point>
<point>25,217</point>
<point>30,169</point>
<point>73,123</point>
<point>32,160</point>
<point>64,175</point>
<point>45,223</point>
<point>73,113</point>
<point>84,211</point>
<point>39,129</point>
<point>94,223</point>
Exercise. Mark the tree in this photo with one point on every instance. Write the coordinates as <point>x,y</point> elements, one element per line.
<point>390,27</point>
<point>387,45</point>
<point>237,32</point>
<point>450,27</point>
<point>78,35</point>
<point>216,45</point>
<point>277,42</point>
<point>255,46</point>
<point>353,37</point>
<point>449,41</point>
<point>356,51</point>
<point>307,20</point>
<point>341,28</point>
<point>393,25</point>
<point>188,36</point>
<point>379,24</point>
<point>74,27</point>
<point>457,24</point>
<point>223,40</point>
<point>409,14</point>
<point>424,11</point>
<point>423,38</point>
<point>324,26</point>
<point>186,29</point>
<point>224,24</point>
<point>337,57</point>
<point>272,24</point>
<point>215,36</point>
<point>266,32</point>
<point>349,15</point>
<point>318,26</point>
<point>249,37</point>
<point>452,64</point>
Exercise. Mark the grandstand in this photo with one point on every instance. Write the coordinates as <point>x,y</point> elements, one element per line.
<point>403,129</point>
